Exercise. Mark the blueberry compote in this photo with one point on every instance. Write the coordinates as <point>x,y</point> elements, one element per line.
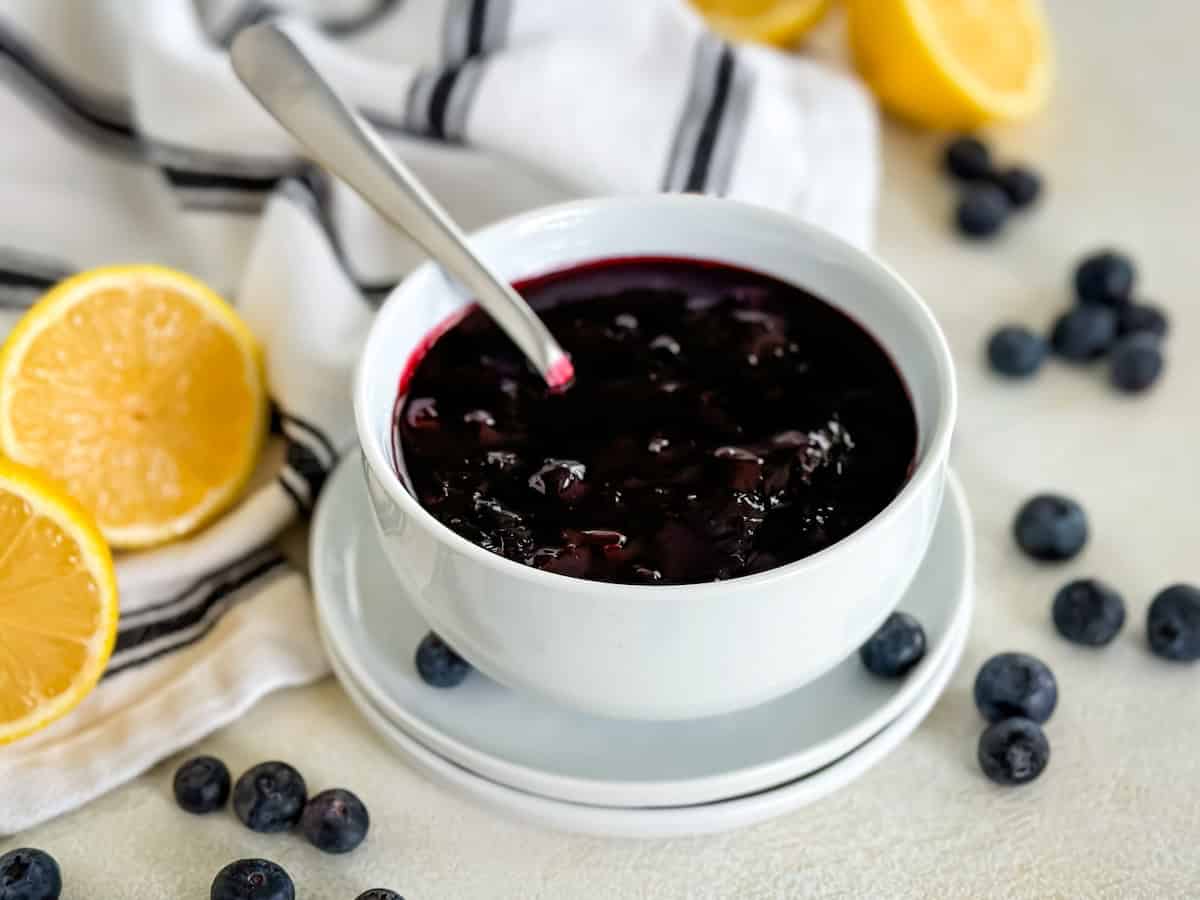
<point>721,423</point>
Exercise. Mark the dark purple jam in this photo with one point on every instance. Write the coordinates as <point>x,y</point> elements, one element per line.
<point>722,423</point>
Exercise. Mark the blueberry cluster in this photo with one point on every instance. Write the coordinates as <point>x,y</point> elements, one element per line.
<point>990,194</point>
<point>1053,528</point>
<point>1016,692</point>
<point>271,797</point>
<point>1105,322</point>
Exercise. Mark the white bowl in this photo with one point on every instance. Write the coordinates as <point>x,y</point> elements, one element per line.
<point>679,651</point>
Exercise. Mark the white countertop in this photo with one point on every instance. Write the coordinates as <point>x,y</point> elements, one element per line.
<point>1116,815</point>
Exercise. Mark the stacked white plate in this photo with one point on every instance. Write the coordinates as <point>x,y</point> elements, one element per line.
<point>542,762</point>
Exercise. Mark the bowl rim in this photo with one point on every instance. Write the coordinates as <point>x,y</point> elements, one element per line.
<point>927,468</point>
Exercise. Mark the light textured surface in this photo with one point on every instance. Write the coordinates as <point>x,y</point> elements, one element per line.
<point>1117,815</point>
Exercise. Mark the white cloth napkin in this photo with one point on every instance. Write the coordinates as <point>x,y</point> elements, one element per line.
<point>128,138</point>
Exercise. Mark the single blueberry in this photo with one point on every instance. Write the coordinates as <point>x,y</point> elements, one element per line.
<point>896,647</point>
<point>252,879</point>
<point>438,665</point>
<point>1141,317</point>
<point>1051,528</point>
<point>202,785</point>
<point>1016,351</point>
<point>28,874</point>
<point>270,797</point>
<point>1105,277</point>
<point>1022,185</point>
<point>967,158</point>
<point>1015,684</point>
<point>982,211</point>
<point>335,821</point>
<point>1173,623</point>
<point>1088,612</point>
<point>1084,333</point>
<point>1013,751</point>
<point>379,894</point>
<point>1137,362</point>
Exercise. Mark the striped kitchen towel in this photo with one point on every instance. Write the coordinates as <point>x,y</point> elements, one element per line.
<point>127,138</point>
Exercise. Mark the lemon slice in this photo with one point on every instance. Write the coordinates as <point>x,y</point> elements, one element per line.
<point>141,392</point>
<point>953,64</point>
<point>58,603</point>
<point>778,22</point>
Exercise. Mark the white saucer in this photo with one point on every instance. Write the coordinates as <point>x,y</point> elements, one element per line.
<point>668,821</point>
<point>539,748</point>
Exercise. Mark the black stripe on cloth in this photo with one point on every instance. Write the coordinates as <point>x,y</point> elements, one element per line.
<point>439,100</point>
<point>195,625</point>
<point>309,191</point>
<point>306,464</point>
<point>702,157</point>
<point>186,596</point>
<point>310,428</point>
<point>24,277</point>
<point>475,28</point>
<point>301,505</point>
<point>108,121</point>
<point>190,607</point>
<point>12,279</point>
<point>706,56</point>
<point>732,132</point>
<point>181,178</point>
<point>107,118</point>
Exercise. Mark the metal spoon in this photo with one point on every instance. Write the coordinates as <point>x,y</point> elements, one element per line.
<point>285,82</point>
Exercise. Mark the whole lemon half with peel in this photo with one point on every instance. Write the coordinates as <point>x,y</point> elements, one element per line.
<point>778,22</point>
<point>58,602</point>
<point>953,64</point>
<point>140,391</point>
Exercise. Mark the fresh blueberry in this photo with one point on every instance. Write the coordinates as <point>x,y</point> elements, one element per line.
<point>1013,751</point>
<point>982,211</point>
<point>1051,528</point>
<point>1015,684</point>
<point>28,874</point>
<point>1022,185</point>
<point>967,158</point>
<point>335,821</point>
<point>202,785</point>
<point>1137,318</point>
<point>379,894</point>
<point>438,665</point>
<point>252,879</point>
<point>1173,623</point>
<point>1106,277</point>
<point>896,647</point>
<point>1137,362</point>
<point>1088,612</point>
<point>1016,351</point>
<point>1084,333</point>
<point>270,797</point>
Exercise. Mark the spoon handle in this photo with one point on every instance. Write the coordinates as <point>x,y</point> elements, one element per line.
<point>279,74</point>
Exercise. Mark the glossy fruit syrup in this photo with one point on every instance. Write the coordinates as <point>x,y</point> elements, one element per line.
<point>722,423</point>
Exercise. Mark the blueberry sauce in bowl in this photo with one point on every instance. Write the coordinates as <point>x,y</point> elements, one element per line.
<point>722,423</point>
